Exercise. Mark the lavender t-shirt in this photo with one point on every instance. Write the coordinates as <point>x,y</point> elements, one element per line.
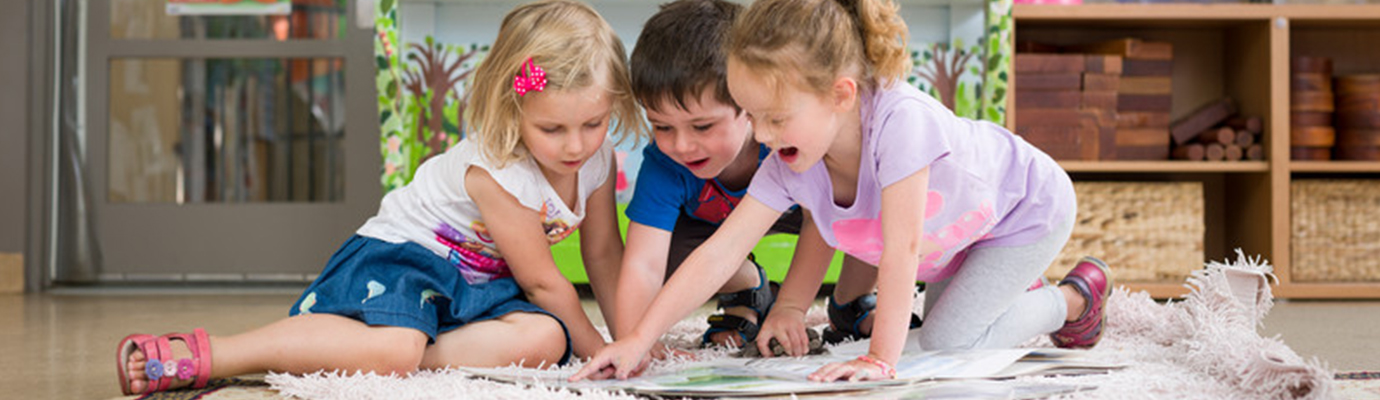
<point>987,186</point>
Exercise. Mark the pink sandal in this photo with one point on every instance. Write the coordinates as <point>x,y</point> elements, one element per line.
<point>161,369</point>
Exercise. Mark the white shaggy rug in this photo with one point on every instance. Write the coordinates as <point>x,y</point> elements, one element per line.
<point>1204,346</point>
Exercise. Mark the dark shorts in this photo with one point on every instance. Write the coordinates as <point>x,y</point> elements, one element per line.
<point>691,232</point>
<point>406,285</point>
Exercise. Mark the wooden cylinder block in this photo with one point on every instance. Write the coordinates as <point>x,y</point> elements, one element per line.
<point>1249,124</point>
<point>1358,120</point>
<point>1310,118</point>
<point>1310,101</point>
<point>1307,64</point>
<point>1234,152</point>
<point>1312,136</point>
<point>1191,152</point>
<point>1221,135</point>
<point>1358,137</point>
<point>1244,138</point>
<point>1357,153</point>
<point>1310,153</point>
<point>1214,152</point>
<point>1358,84</point>
<point>1369,102</point>
<point>1255,153</point>
<point>1310,82</point>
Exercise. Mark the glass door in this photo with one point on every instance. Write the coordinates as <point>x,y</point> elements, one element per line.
<point>218,147</point>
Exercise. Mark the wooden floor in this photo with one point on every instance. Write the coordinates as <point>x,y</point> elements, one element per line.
<point>62,346</point>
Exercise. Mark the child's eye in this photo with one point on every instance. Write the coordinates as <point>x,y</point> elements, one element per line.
<point>594,124</point>
<point>703,128</point>
<point>550,129</point>
<point>777,121</point>
<point>661,128</point>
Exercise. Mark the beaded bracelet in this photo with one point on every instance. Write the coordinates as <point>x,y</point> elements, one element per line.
<point>887,369</point>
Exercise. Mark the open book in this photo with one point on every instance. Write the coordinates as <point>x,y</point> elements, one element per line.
<point>916,370</point>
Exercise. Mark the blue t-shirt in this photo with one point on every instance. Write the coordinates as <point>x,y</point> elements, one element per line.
<point>665,189</point>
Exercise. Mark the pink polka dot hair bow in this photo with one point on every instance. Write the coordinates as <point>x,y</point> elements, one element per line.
<point>530,78</point>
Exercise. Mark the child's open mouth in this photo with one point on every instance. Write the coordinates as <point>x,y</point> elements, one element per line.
<point>787,154</point>
<point>697,164</point>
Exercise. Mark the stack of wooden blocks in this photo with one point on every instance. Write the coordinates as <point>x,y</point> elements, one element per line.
<point>1143,99</point>
<point>1100,101</point>
<point>1311,136</point>
<point>1358,117</point>
<point>1214,133</point>
<point>1066,103</point>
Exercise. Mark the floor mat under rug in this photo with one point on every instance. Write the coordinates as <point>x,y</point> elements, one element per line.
<point>1358,385</point>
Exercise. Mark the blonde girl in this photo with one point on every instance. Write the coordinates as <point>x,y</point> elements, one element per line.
<point>455,269</point>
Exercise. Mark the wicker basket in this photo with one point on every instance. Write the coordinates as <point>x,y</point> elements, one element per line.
<point>1336,231</point>
<point>1146,231</point>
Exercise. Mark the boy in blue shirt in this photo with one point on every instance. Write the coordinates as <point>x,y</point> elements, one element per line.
<point>694,174</point>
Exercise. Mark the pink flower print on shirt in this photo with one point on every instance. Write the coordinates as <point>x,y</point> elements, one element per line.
<point>933,203</point>
<point>862,238</point>
<point>969,228</point>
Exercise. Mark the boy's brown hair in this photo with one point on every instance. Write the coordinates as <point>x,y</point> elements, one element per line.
<point>680,53</point>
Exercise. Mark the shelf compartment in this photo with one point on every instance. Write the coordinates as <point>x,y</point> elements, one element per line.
<point>1336,224</point>
<point>1146,231</point>
<point>1213,57</point>
<point>1349,44</point>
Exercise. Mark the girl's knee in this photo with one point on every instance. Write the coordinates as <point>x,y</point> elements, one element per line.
<point>545,339</point>
<point>394,354</point>
<point>934,340</point>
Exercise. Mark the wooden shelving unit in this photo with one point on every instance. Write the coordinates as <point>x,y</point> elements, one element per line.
<point>1164,166</point>
<point>1241,51</point>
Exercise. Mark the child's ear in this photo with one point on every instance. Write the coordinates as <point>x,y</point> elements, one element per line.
<point>844,93</point>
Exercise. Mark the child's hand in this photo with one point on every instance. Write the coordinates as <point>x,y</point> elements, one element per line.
<point>620,359</point>
<point>853,371</point>
<point>660,351</point>
<point>787,326</point>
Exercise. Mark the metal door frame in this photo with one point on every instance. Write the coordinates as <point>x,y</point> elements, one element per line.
<point>194,235</point>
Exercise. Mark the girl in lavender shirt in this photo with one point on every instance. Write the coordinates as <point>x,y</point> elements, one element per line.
<point>887,175</point>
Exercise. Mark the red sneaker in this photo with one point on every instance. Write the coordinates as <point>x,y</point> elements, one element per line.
<point>1093,280</point>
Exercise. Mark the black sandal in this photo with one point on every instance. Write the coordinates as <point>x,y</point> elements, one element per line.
<point>845,320</point>
<point>758,299</point>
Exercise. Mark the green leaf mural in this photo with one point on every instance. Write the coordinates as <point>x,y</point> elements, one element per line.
<point>420,96</point>
<point>999,51</point>
<point>970,80</point>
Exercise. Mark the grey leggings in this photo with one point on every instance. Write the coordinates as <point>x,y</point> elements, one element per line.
<point>986,304</point>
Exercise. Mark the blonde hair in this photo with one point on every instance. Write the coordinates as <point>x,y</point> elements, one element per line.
<point>821,40</point>
<point>571,42</point>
